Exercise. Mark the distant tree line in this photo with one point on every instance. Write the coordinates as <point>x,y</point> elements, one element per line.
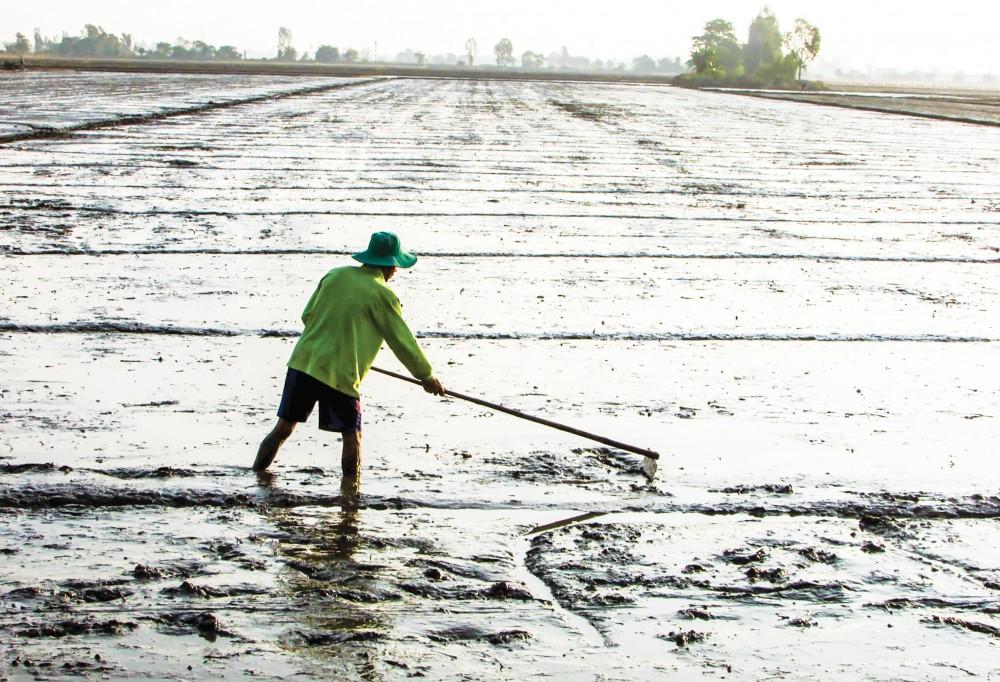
<point>95,42</point>
<point>717,53</point>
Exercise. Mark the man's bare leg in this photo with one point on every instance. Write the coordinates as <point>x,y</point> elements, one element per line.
<point>350,460</point>
<point>268,449</point>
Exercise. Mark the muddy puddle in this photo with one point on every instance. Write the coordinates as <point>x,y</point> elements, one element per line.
<point>802,322</point>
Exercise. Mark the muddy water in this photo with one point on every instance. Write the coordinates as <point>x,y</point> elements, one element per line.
<point>796,306</point>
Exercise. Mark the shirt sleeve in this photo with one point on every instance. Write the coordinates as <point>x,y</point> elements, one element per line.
<point>390,323</point>
<point>312,302</point>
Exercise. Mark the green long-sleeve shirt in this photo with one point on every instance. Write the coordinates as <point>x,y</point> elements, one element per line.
<point>348,317</point>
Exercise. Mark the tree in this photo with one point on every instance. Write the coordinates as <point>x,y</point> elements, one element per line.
<point>228,53</point>
<point>803,45</point>
<point>327,54</point>
<point>202,51</point>
<point>667,65</point>
<point>532,60</point>
<point>286,53</point>
<point>420,57</point>
<point>716,52</point>
<point>504,51</point>
<point>40,42</point>
<point>19,46</point>
<point>351,55</point>
<point>644,64</point>
<point>162,51</point>
<point>470,50</point>
<point>762,53</point>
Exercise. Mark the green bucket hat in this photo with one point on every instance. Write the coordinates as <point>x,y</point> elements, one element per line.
<point>385,250</point>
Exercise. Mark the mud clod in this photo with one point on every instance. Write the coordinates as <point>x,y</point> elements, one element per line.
<point>468,633</point>
<point>772,488</point>
<point>819,556</point>
<point>327,638</point>
<point>972,626</point>
<point>883,525</point>
<point>68,628</point>
<point>205,623</point>
<point>508,636</point>
<point>104,594</point>
<point>683,639</point>
<point>742,557</point>
<point>505,590</point>
<point>144,572</point>
<point>207,592</point>
<point>801,623</point>
<point>771,575</point>
<point>695,614</point>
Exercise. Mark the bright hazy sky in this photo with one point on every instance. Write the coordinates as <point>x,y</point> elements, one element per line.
<point>959,35</point>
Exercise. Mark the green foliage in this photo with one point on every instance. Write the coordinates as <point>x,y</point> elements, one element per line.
<point>95,42</point>
<point>327,54</point>
<point>803,44</point>
<point>717,55</point>
<point>716,52</point>
<point>666,65</point>
<point>763,48</point>
<point>532,60</point>
<point>228,53</point>
<point>286,53</point>
<point>644,64</point>
<point>504,52</point>
<point>19,46</point>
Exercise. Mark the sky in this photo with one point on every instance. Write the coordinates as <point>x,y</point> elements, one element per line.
<point>958,36</point>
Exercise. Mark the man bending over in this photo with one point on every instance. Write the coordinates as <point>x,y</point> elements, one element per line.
<point>350,314</point>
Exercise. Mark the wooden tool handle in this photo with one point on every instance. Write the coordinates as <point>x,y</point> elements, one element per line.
<point>538,420</point>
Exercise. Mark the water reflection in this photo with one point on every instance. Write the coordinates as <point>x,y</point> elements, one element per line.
<point>335,598</point>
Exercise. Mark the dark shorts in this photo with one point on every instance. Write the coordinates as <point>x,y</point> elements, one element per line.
<point>337,411</point>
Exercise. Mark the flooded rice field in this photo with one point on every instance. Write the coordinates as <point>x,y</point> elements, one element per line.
<point>796,305</point>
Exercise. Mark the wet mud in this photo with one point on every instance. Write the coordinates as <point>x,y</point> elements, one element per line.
<point>802,324</point>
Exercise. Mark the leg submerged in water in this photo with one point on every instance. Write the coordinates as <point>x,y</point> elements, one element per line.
<point>268,449</point>
<point>350,459</point>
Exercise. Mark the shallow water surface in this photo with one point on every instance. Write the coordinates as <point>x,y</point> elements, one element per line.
<point>797,306</point>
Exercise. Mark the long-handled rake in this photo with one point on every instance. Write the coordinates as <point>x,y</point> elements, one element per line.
<point>650,458</point>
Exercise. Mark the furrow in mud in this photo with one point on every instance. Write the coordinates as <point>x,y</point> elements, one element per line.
<point>46,133</point>
<point>56,251</point>
<point>878,513</point>
<point>631,215</point>
<point>142,328</point>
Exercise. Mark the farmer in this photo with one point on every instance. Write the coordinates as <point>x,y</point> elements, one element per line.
<point>350,314</point>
